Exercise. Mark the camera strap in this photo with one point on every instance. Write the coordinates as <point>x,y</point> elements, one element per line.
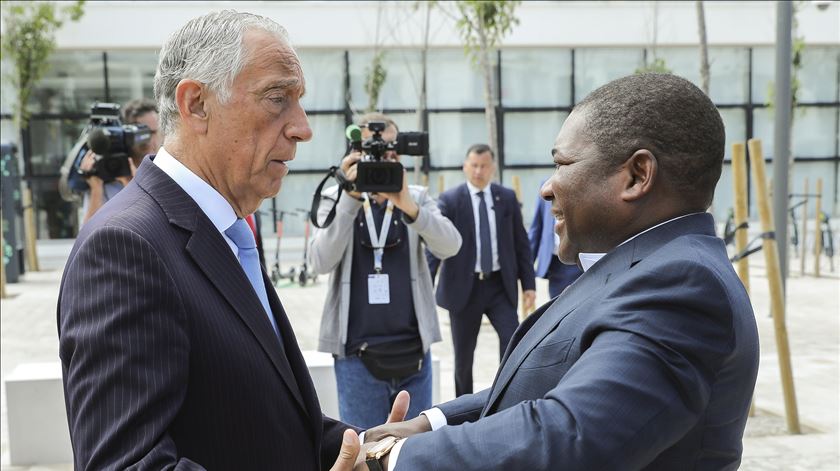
<point>316,198</point>
<point>378,241</point>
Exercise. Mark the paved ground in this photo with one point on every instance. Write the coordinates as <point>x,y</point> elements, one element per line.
<point>28,331</point>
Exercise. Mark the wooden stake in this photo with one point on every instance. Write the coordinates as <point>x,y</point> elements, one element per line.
<point>818,230</point>
<point>29,229</point>
<point>739,180</point>
<point>517,187</point>
<point>739,177</point>
<point>774,278</point>
<point>2,260</point>
<point>803,237</point>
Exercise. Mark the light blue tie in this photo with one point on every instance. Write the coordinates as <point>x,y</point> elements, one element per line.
<point>241,235</point>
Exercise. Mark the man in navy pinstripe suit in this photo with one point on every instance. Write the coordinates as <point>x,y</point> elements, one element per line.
<point>175,354</point>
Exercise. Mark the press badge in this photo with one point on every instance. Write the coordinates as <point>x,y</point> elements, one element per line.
<point>379,292</point>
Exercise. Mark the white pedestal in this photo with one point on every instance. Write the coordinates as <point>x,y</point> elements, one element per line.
<point>38,431</point>
<point>37,419</point>
<point>322,371</point>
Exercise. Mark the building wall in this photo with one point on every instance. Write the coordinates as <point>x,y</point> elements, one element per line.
<point>557,54</point>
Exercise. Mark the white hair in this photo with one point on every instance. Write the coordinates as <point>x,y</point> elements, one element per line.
<point>208,49</point>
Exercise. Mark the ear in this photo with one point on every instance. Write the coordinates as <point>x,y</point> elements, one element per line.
<point>191,98</point>
<point>640,172</point>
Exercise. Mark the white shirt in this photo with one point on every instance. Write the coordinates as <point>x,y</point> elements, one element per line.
<point>589,259</point>
<point>214,205</point>
<point>491,218</point>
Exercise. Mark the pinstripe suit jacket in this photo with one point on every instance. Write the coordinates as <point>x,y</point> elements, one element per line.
<point>168,359</point>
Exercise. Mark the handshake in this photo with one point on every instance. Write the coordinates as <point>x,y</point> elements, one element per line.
<point>373,454</point>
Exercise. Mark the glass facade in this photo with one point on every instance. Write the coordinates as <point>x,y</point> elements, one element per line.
<point>537,89</point>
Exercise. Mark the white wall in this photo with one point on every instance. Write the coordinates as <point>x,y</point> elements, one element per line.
<point>352,24</point>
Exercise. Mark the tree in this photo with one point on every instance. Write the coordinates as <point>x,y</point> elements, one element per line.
<point>483,25</point>
<point>28,40</point>
<point>656,64</point>
<point>704,47</point>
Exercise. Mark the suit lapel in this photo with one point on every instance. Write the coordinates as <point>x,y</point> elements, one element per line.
<point>586,286</point>
<point>214,257</point>
<point>300,372</point>
<point>216,260</point>
<point>592,282</point>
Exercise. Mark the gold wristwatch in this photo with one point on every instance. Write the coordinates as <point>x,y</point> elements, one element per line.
<point>382,448</point>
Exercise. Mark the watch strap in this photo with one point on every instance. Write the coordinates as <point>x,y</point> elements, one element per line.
<point>373,464</point>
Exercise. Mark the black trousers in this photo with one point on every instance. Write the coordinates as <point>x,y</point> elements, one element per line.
<point>487,297</point>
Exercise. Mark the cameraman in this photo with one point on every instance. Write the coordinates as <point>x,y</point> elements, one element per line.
<point>379,319</point>
<point>137,111</point>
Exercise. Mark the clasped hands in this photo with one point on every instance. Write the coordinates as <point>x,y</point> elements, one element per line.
<point>352,454</point>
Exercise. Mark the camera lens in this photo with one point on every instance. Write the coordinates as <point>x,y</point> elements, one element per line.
<point>379,176</point>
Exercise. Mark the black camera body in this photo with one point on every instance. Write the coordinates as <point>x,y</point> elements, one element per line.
<point>112,141</point>
<point>376,175</point>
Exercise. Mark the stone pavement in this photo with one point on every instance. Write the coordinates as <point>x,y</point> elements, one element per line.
<point>28,335</point>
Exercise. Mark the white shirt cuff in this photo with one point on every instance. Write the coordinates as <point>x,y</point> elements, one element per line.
<point>436,417</point>
<point>362,438</point>
<point>394,454</point>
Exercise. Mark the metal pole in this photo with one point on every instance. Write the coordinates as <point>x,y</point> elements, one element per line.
<point>781,141</point>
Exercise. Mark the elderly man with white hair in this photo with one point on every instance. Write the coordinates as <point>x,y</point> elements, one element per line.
<point>175,350</point>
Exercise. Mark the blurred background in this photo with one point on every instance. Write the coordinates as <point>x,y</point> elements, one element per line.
<point>553,55</point>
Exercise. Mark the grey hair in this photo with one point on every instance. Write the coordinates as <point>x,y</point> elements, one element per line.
<point>208,49</point>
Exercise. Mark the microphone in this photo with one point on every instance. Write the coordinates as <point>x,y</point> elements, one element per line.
<point>354,134</point>
<point>99,141</point>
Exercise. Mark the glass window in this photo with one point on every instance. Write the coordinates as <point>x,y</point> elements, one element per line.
<point>296,194</point>
<point>595,67</point>
<point>540,77</point>
<point>324,72</point>
<point>728,70</point>
<point>403,81</point>
<point>452,81</point>
<point>326,147</point>
<point>51,141</point>
<point>735,124</point>
<point>814,131</point>
<point>529,137</point>
<point>530,182</point>
<point>72,83</point>
<point>682,61</point>
<point>764,73</point>
<point>818,75</point>
<point>451,134</point>
<point>131,75</point>
<point>442,180</point>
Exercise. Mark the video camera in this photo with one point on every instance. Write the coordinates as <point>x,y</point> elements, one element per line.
<point>111,140</point>
<point>374,174</point>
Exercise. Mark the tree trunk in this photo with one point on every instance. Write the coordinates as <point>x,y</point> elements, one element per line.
<point>704,47</point>
<point>421,102</point>
<point>486,66</point>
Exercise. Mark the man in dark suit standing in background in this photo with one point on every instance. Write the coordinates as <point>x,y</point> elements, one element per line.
<point>481,279</point>
<point>176,351</point>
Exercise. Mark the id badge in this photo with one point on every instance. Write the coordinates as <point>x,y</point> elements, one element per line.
<point>379,292</point>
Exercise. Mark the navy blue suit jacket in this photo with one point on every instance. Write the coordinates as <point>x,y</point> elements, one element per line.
<point>458,273</point>
<point>648,361</point>
<point>541,236</point>
<point>169,361</point>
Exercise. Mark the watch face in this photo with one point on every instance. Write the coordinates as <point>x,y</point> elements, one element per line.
<point>382,446</point>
